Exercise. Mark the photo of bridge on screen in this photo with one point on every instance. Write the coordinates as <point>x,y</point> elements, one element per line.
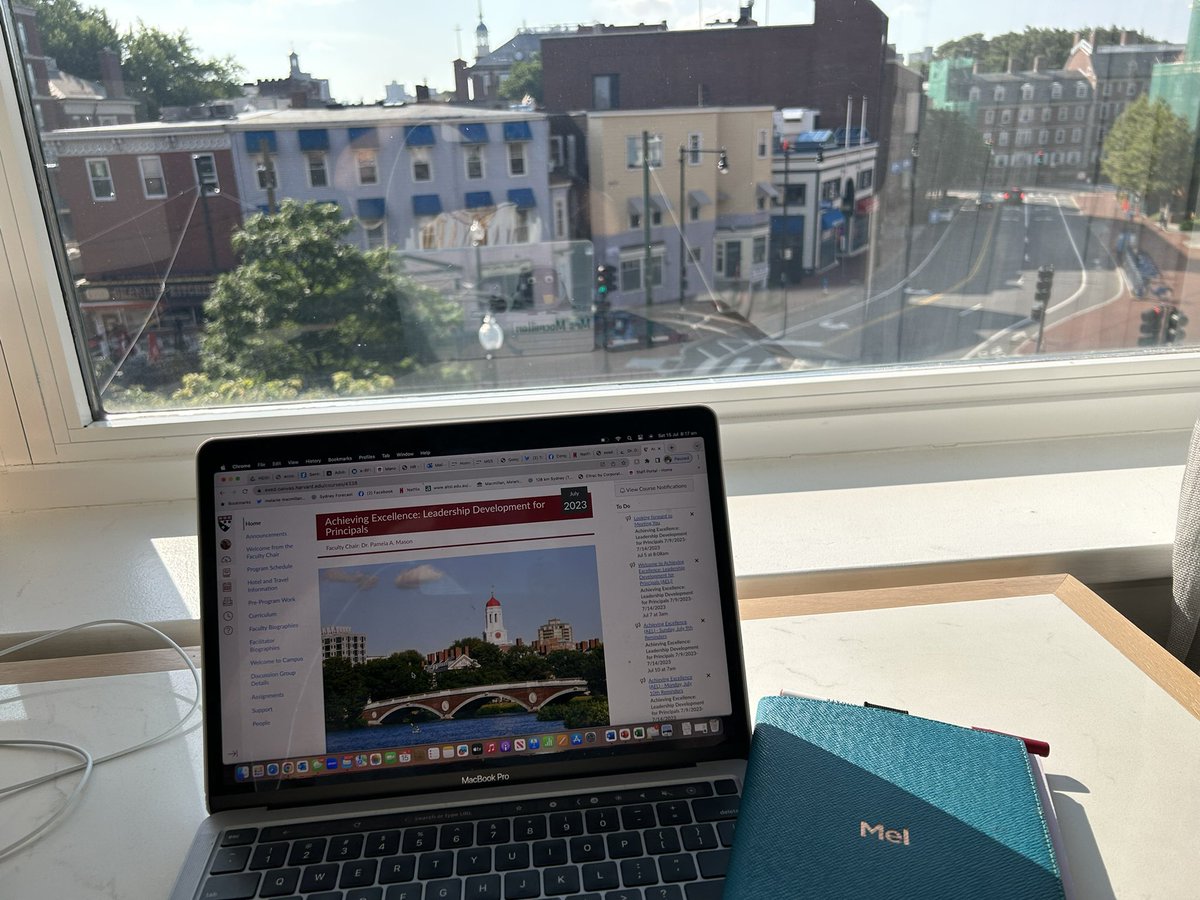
<point>441,651</point>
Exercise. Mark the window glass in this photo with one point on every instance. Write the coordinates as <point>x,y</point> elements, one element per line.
<point>198,187</point>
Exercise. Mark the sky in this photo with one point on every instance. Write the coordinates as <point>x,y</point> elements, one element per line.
<point>362,45</point>
<point>428,605</point>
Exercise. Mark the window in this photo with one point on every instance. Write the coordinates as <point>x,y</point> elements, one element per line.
<point>1005,116</point>
<point>206,172</point>
<point>605,92</point>
<point>693,144</point>
<point>422,165</point>
<point>1027,92</point>
<point>1003,139</point>
<point>831,190</point>
<point>1000,161</point>
<point>631,274</point>
<point>516,159</point>
<point>1107,89</point>
<point>367,162</point>
<point>1060,135</point>
<point>153,183</point>
<point>264,173</point>
<point>1026,114</point>
<point>763,144</point>
<point>318,177</point>
<point>1081,90</point>
<point>473,157</point>
<point>557,158</point>
<point>1076,135</point>
<point>867,176</point>
<point>635,221</point>
<point>375,235</point>
<point>759,252</point>
<point>334,175</point>
<point>1080,113</point>
<point>973,94</point>
<point>633,151</point>
<point>1056,91</point>
<point>1044,136</point>
<point>796,194</point>
<point>1024,138</point>
<point>101,181</point>
<point>998,95</point>
<point>1064,113</point>
<point>987,137</point>
<point>1047,113</point>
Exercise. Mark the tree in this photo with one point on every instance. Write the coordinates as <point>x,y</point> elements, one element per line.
<point>397,675</point>
<point>163,69</point>
<point>524,79</point>
<point>303,304</point>
<point>75,35</point>
<point>1148,152</point>
<point>952,154</point>
<point>1053,45</point>
<point>160,69</point>
<point>345,693</point>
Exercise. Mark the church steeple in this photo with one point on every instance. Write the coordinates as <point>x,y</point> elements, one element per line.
<point>495,632</point>
<point>482,47</point>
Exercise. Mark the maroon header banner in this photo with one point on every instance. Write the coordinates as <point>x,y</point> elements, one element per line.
<point>447,516</point>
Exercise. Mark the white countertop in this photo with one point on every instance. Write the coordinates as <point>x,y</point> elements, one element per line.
<point>1122,767</point>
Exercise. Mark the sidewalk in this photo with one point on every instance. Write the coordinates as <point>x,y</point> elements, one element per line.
<point>1117,325</point>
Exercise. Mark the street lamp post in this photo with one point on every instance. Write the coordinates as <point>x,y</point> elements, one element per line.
<point>684,249</point>
<point>785,251</point>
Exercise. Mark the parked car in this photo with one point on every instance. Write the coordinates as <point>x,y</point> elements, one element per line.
<point>1014,195</point>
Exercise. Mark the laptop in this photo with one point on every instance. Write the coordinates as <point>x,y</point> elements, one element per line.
<point>489,659</point>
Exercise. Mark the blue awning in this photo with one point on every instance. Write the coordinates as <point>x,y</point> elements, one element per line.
<point>313,139</point>
<point>523,197</point>
<point>427,204</point>
<point>831,218</point>
<point>418,136</point>
<point>477,199</point>
<point>364,138</point>
<point>255,139</point>
<point>789,225</point>
<point>517,131</point>
<point>474,134</point>
<point>370,208</point>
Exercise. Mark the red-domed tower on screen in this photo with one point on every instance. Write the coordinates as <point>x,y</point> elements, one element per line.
<point>495,632</point>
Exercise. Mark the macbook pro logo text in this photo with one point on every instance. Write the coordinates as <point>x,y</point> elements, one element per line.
<point>489,778</point>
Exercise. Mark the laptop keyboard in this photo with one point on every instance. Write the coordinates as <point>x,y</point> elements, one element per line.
<point>661,843</point>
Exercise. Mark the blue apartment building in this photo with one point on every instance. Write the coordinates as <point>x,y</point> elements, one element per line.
<point>413,178</point>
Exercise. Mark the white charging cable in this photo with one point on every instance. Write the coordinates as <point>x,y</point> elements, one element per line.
<point>88,763</point>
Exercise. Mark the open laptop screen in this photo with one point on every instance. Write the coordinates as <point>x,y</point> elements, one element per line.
<point>467,604</point>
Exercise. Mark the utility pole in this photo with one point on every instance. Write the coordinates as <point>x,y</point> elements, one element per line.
<point>683,245</point>
<point>646,233</point>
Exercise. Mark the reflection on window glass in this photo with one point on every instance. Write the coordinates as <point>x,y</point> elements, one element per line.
<point>246,221</point>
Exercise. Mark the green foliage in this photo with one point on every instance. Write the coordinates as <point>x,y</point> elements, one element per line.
<point>345,693</point>
<point>304,304</point>
<point>398,675</point>
<point>581,712</point>
<point>1148,151</point>
<point>952,154</point>
<point>524,78</point>
<point>160,68</point>
<point>74,35</point>
<point>499,709</point>
<point>164,69</point>
<point>1053,45</point>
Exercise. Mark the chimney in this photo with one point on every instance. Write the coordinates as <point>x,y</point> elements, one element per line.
<point>1092,38</point>
<point>462,90</point>
<point>423,93</point>
<point>1037,64</point>
<point>1124,37</point>
<point>1009,66</point>
<point>110,74</point>
<point>744,14</point>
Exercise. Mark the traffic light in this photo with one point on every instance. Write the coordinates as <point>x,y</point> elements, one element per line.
<point>1174,333</point>
<point>1152,320</point>
<point>1041,157</point>
<point>604,281</point>
<point>1041,293</point>
<point>723,162</point>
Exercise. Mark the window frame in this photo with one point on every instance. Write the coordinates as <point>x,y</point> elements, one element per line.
<point>201,182</point>
<point>111,196</point>
<point>423,157</point>
<point>310,157</point>
<point>474,153</point>
<point>162,177</point>
<point>518,151</point>
<point>54,454</point>
<point>360,166</point>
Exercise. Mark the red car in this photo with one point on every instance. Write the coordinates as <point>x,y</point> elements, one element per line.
<point>1014,195</point>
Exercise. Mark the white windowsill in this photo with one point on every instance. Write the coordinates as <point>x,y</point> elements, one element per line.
<point>1104,512</point>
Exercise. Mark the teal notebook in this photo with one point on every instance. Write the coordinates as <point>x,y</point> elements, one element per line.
<point>843,801</point>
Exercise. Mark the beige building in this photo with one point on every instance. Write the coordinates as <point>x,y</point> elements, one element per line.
<point>709,201</point>
<point>339,640</point>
